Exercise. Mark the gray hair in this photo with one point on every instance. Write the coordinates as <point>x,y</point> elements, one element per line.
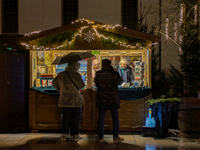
<point>123,61</point>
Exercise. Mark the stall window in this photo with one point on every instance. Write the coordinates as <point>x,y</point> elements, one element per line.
<point>139,70</point>
<point>9,16</point>
<point>129,14</point>
<point>43,72</point>
<point>70,11</point>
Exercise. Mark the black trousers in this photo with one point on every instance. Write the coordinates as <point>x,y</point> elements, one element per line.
<point>70,118</point>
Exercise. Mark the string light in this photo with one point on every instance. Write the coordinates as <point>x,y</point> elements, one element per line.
<point>175,33</point>
<point>181,40</point>
<point>81,20</point>
<point>166,28</point>
<point>181,15</point>
<point>80,33</point>
<point>27,34</point>
<point>195,14</point>
<point>152,44</point>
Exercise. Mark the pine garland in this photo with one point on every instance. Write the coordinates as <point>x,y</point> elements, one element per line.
<point>57,39</point>
<point>118,37</point>
<point>162,100</point>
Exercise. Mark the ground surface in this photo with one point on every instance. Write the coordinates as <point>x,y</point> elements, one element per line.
<point>133,141</point>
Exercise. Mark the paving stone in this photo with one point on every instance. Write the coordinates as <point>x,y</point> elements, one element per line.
<point>167,143</point>
<point>64,144</point>
<point>145,141</point>
<point>52,141</point>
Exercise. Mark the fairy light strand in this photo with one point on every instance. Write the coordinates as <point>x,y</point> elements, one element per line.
<point>28,34</point>
<point>80,33</point>
<point>181,15</point>
<point>176,31</point>
<point>166,28</point>
<point>195,14</point>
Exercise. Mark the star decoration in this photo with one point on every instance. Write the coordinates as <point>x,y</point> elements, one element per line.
<point>89,36</point>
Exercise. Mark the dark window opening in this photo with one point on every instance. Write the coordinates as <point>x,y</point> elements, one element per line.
<point>129,14</point>
<point>9,16</point>
<point>70,11</point>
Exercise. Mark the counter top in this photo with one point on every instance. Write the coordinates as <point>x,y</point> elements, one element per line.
<point>128,93</point>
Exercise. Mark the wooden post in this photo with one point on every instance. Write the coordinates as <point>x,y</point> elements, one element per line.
<point>30,67</point>
<point>150,67</point>
<point>89,71</point>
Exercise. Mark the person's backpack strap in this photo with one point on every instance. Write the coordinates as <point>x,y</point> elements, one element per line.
<point>72,81</point>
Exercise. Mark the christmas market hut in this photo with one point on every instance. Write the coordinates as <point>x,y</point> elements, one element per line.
<point>113,42</point>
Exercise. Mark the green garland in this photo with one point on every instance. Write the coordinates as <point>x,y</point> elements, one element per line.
<point>161,100</point>
<point>118,37</point>
<point>57,39</point>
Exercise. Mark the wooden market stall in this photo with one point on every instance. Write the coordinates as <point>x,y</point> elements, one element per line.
<point>107,41</point>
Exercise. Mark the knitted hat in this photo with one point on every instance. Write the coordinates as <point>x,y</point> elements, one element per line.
<point>106,62</point>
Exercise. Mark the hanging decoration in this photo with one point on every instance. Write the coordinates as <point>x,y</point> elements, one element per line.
<point>175,32</point>
<point>89,36</point>
<point>166,28</point>
<point>66,40</point>
<point>181,14</point>
<point>181,40</point>
<point>195,14</point>
<point>180,23</point>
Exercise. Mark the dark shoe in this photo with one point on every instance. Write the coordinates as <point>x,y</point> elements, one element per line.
<point>118,139</point>
<point>77,137</point>
<point>63,137</point>
<point>100,140</point>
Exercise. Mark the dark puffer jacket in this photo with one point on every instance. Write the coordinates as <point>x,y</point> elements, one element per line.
<point>107,81</point>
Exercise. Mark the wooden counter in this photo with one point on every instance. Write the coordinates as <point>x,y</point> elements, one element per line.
<point>45,114</point>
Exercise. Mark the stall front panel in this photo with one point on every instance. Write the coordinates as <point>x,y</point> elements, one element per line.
<point>113,42</point>
<point>43,110</point>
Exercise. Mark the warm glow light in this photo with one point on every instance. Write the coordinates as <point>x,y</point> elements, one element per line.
<point>80,33</point>
<point>195,14</point>
<point>166,28</point>
<point>181,15</point>
<point>27,34</point>
<point>175,33</point>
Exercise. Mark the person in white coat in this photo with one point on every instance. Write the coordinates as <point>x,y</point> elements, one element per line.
<point>68,83</point>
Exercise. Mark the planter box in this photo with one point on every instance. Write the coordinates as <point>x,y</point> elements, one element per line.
<point>166,116</point>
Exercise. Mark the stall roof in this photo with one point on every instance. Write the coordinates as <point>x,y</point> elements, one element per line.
<point>78,24</point>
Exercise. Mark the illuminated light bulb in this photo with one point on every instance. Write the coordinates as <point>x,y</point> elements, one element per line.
<point>195,14</point>
<point>124,27</point>
<point>166,28</point>
<point>72,22</point>
<point>181,15</point>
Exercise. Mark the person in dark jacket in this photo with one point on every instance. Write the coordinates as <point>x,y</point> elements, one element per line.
<point>125,71</point>
<point>107,81</point>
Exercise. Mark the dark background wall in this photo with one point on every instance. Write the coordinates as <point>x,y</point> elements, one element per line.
<point>14,84</point>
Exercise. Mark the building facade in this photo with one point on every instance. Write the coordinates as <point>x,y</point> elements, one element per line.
<point>19,17</point>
